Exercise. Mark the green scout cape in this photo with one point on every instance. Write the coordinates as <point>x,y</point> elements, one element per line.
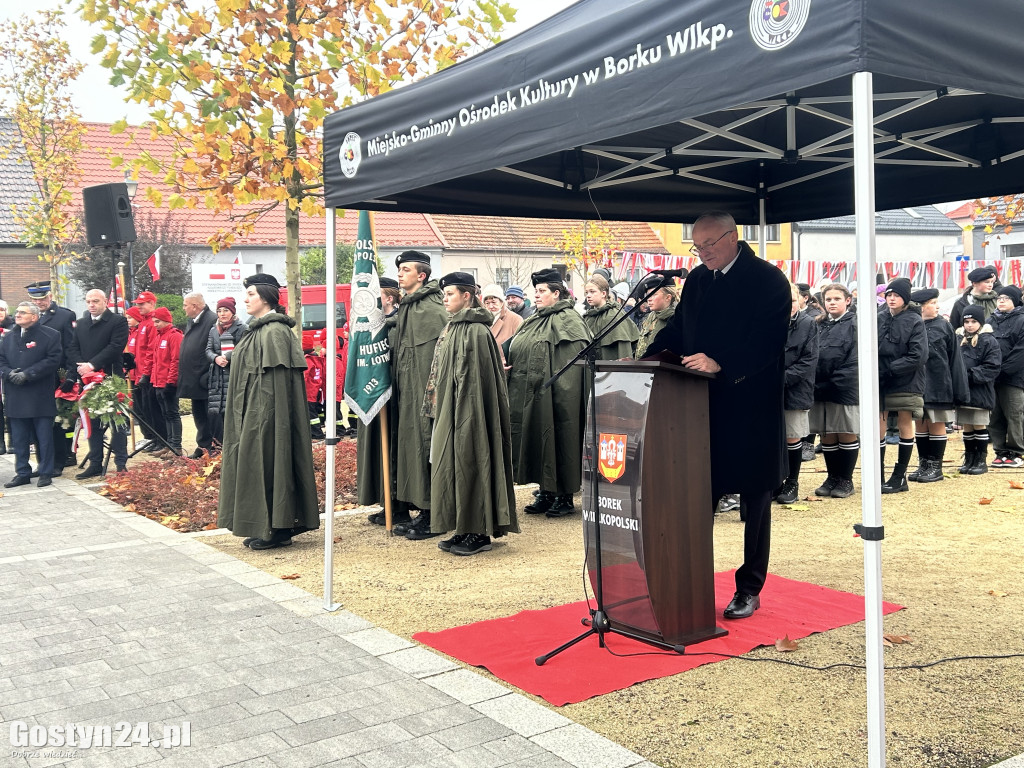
<point>419,321</point>
<point>620,342</point>
<point>267,463</point>
<point>653,324</point>
<point>547,427</point>
<point>471,448</point>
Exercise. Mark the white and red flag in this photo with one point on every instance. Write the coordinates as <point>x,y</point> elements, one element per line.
<point>153,262</point>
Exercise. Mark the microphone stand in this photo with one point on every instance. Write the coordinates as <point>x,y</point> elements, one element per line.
<point>598,621</point>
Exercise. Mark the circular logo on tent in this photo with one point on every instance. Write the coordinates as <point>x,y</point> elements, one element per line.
<point>774,23</point>
<point>350,154</point>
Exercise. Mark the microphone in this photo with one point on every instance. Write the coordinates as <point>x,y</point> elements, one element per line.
<point>680,273</point>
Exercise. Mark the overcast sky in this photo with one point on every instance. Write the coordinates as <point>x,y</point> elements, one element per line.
<point>97,101</point>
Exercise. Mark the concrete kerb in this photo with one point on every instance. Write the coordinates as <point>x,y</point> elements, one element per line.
<point>505,708</point>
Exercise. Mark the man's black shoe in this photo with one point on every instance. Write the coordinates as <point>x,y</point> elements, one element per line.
<point>541,504</point>
<point>472,544</point>
<point>742,606</point>
<point>273,543</point>
<point>788,493</point>
<point>377,518</point>
<point>90,472</point>
<point>70,461</point>
<point>44,480</point>
<point>403,527</point>
<point>445,545</point>
<point>561,506</point>
<point>420,530</point>
<point>17,480</point>
<point>826,488</point>
<point>196,454</point>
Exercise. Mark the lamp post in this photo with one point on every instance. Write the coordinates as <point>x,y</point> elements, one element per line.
<point>133,186</point>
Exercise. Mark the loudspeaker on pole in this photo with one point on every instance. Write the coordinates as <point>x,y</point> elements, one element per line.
<point>108,215</point>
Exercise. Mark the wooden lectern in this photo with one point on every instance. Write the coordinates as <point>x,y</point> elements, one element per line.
<point>654,501</point>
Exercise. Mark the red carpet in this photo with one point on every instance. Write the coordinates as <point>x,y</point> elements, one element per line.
<point>507,647</point>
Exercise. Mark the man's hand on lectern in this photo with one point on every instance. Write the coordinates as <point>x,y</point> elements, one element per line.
<point>700,362</point>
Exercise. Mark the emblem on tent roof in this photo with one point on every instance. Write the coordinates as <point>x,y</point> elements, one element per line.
<point>350,154</point>
<point>775,23</point>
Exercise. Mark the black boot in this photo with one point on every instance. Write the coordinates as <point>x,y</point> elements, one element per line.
<point>923,454</point>
<point>420,530</point>
<point>174,438</point>
<point>980,466</point>
<point>541,504</point>
<point>561,506</point>
<point>932,473</point>
<point>969,454</point>
<point>831,454</point>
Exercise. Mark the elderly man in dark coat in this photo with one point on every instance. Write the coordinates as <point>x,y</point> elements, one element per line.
<point>194,368</point>
<point>745,347</point>
<point>29,356</point>
<point>62,320</point>
<point>419,321</point>
<point>98,345</point>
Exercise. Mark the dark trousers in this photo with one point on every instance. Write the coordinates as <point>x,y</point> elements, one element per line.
<point>147,407</point>
<point>23,433</point>
<point>756,509</point>
<point>215,423</point>
<point>200,417</point>
<point>167,398</point>
<point>118,444</point>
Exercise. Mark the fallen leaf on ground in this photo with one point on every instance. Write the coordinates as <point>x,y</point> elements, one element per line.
<point>813,498</point>
<point>337,539</point>
<point>987,501</point>
<point>210,527</point>
<point>786,645</point>
<point>796,507</point>
<point>890,640</point>
<point>292,576</point>
<point>1017,484</point>
<point>997,593</point>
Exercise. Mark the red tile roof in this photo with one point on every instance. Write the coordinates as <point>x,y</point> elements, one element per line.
<point>473,232</point>
<point>964,211</point>
<point>200,223</point>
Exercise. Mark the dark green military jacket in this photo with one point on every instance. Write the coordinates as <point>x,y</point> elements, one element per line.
<point>547,426</point>
<point>653,324</point>
<point>619,343</point>
<point>420,319</point>
<point>267,464</point>
<point>471,446</point>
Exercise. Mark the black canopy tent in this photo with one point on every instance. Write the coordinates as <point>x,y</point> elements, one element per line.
<point>656,110</point>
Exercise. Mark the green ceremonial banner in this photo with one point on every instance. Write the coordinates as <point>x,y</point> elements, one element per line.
<point>368,375</point>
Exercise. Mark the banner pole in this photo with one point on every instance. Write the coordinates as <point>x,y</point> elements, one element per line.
<point>385,456</point>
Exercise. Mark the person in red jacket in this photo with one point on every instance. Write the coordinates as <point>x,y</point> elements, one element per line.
<point>315,389</point>
<point>144,396</point>
<point>164,377</point>
<point>341,412</point>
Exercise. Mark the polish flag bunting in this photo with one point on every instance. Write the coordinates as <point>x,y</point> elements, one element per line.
<point>153,262</point>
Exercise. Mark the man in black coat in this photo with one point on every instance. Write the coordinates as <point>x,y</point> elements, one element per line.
<point>62,320</point>
<point>732,321</point>
<point>29,356</point>
<point>98,345</point>
<point>194,367</point>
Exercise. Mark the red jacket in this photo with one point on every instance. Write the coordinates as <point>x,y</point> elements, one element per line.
<point>165,358</point>
<point>314,377</point>
<point>145,346</point>
<point>132,348</point>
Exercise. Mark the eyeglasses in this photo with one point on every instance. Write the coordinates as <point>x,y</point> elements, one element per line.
<point>697,250</point>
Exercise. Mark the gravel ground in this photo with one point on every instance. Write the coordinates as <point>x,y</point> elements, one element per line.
<point>953,562</point>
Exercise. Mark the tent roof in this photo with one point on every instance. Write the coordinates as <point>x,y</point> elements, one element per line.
<point>656,110</point>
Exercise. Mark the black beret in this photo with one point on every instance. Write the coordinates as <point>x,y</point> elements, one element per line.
<point>981,273</point>
<point>976,311</point>
<point>803,287</point>
<point>388,282</point>
<point>417,256</point>
<point>38,289</point>
<point>901,287</point>
<point>458,278</point>
<point>261,278</point>
<point>924,294</point>
<point>546,276</point>
<point>1012,292</point>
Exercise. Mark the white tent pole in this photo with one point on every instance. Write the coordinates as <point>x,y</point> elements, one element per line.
<point>762,235</point>
<point>867,352</point>
<point>330,348</point>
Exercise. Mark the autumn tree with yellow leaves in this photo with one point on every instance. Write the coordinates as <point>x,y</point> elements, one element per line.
<point>243,86</point>
<point>37,75</point>
<point>586,246</point>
